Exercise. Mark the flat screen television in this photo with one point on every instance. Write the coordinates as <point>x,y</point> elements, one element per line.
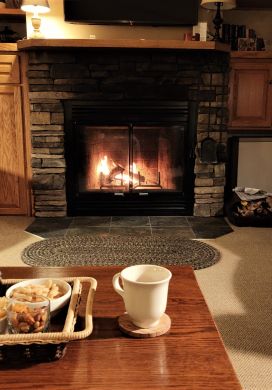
<point>132,12</point>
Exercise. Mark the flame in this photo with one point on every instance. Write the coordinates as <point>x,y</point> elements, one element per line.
<point>103,167</point>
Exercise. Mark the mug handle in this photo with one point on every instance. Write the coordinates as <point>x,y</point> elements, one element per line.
<point>116,284</point>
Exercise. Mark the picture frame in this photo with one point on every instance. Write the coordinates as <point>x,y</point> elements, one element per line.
<point>247,44</point>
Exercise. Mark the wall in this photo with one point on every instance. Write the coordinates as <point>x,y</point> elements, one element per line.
<point>254,160</point>
<point>53,26</point>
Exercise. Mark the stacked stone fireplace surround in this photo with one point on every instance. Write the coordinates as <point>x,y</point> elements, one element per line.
<point>123,75</point>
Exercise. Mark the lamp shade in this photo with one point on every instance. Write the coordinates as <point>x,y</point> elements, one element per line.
<point>212,4</point>
<point>39,6</point>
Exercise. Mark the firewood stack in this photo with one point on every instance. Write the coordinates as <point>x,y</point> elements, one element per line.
<point>260,208</point>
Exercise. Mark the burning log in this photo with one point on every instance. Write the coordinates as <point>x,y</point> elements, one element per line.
<point>117,170</point>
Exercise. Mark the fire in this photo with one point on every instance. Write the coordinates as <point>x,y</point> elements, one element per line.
<point>113,171</point>
<point>103,167</point>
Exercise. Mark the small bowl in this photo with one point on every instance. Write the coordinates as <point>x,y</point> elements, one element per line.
<point>56,303</point>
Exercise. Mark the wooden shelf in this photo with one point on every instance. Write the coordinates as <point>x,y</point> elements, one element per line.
<point>28,44</point>
<point>251,54</point>
<point>12,14</point>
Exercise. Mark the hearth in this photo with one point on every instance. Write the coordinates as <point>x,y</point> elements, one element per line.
<point>127,158</point>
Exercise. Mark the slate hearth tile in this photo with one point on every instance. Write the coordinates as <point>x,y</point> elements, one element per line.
<point>130,231</point>
<point>168,221</point>
<point>182,232</point>
<point>211,233</point>
<point>122,221</point>
<point>94,230</point>
<point>91,221</point>
<point>49,227</point>
<point>207,221</point>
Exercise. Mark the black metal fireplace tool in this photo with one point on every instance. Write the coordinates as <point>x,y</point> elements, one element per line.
<point>208,149</point>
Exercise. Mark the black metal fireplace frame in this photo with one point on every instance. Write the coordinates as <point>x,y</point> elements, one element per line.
<point>152,113</point>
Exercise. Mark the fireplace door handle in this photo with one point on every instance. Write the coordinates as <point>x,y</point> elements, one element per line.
<point>119,194</point>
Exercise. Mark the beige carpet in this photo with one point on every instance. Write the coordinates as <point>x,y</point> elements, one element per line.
<point>238,291</point>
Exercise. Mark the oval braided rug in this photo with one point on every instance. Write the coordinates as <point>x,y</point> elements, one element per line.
<point>88,249</point>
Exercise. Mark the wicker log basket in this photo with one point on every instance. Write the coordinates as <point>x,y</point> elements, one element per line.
<point>48,346</point>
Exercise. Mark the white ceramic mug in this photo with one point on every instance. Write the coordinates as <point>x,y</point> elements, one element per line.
<point>145,290</point>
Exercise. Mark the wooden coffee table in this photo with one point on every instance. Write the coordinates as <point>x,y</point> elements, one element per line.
<point>190,356</point>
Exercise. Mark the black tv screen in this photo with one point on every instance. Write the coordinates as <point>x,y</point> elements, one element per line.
<point>133,12</point>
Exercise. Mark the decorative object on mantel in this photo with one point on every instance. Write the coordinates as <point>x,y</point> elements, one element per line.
<point>87,249</point>
<point>14,4</point>
<point>218,6</point>
<point>36,7</point>
<point>2,4</point>
<point>8,35</point>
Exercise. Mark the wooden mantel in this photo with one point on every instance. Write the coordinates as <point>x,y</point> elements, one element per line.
<point>29,44</point>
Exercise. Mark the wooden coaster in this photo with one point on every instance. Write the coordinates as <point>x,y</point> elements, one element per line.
<point>129,328</point>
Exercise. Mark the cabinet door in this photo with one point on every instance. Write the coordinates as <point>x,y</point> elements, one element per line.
<point>12,170</point>
<point>250,95</point>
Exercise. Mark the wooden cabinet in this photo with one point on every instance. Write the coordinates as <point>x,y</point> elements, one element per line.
<point>13,180</point>
<point>250,94</point>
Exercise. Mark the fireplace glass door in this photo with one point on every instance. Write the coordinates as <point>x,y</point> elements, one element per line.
<point>130,159</point>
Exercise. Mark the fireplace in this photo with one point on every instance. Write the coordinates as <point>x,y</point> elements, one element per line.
<point>159,104</point>
<point>130,158</point>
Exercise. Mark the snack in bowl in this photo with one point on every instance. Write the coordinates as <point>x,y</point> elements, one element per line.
<point>58,292</point>
<point>3,314</point>
<point>28,317</point>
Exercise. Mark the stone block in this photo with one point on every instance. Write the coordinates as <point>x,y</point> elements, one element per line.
<point>42,171</point>
<point>49,181</point>
<point>53,163</point>
<point>40,118</point>
<point>38,67</point>
<point>57,118</point>
<point>40,151</point>
<point>69,71</point>
<point>49,57</point>
<point>75,81</point>
<point>43,97</point>
<point>217,79</point>
<point>50,214</point>
<point>209,190</point>
<point>164,67</point>
<point>217,209</point>
<point>204,201</point>
<point>219,170</point>
<point>42,81</point>
<point>219,181</point>
<point>101,67</point>
<point>37,74</point>
<point>51,202</point>
<point>40,87</point>
<point>51,107</point>
<point>50,197</point>
<point>202,210</point>
<point>47,128</point>
<point>199,182</point>
<point>50,192</point>
<point>203,168</point>
<point>36,162</point>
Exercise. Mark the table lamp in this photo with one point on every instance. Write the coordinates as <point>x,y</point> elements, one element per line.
<point>218,5</point>
<point>36,7</point>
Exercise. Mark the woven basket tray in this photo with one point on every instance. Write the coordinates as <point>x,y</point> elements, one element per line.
<point>48,346</point>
